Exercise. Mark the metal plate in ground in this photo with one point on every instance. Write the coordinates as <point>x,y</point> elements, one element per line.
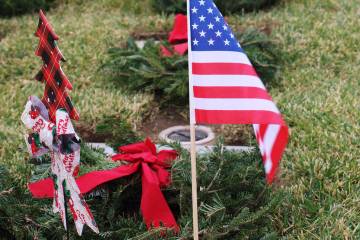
<point>184,135</point>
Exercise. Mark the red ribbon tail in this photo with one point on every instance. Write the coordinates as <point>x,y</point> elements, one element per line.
<point>42,189</point>
<point>154,207</point>
<point>165,52</point>
<point>87,182</point>
<point>181,48</point>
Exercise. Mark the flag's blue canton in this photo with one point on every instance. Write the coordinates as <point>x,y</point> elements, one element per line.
<point>209,30</point>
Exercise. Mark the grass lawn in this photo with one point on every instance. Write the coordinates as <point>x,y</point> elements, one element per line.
<point>319,96</point>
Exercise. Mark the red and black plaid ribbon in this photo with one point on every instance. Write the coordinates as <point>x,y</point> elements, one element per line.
<point>56,82</point>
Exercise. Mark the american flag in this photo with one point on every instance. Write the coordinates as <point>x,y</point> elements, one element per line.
<point>224,86</point>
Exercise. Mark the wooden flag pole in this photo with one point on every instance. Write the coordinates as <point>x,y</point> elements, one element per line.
<point>194,182</point>
<point>192,135</point>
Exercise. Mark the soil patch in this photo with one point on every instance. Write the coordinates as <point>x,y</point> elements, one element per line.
<point>150,35</point>
<point>170,117</point>
<point>2,35</point>
<point>152,126</point>
<point>88,133</point>
<point>235,135</point>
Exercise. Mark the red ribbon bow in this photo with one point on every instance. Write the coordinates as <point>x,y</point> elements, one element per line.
<point>154,207</point>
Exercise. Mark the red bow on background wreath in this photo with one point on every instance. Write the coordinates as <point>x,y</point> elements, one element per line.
<point>178,37</point>
<point>141,156</point>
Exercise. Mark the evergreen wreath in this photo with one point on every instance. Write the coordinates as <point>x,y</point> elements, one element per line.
<point>234,200</point>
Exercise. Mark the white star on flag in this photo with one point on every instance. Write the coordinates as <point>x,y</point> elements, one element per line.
<point>227,43</point>
<point>202,33</point>
<point>195,26</point>
<point>202,18</point>
<point>210,10</point>
<point>195,42</point>
<point>194,10</point>
<point>218,33</point>
<point>211,26</point>
<point>211,42</point>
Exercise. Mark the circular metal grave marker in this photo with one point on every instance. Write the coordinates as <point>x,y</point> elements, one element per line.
<point>203,135</point>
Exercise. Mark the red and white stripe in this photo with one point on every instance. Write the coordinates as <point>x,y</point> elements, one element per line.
<point>225,89</point>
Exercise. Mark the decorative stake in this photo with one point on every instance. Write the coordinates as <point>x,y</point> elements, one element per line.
<point>52,131</point>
